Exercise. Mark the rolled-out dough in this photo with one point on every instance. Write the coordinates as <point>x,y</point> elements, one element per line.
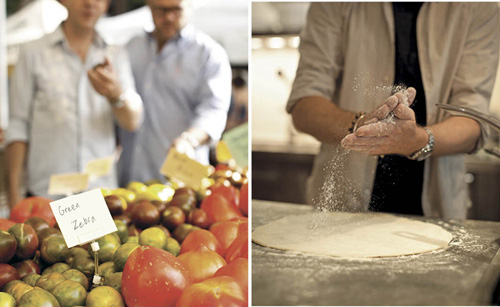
<point>353,235</point>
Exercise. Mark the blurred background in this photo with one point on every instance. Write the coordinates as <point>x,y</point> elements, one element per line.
<point>281,157</point>
<point>22,21</point>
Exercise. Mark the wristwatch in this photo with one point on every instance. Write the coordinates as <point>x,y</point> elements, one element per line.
<point>426,151</point>
<point>119,101</point>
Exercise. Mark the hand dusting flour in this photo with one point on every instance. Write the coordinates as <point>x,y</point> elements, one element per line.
<point>338,192</point>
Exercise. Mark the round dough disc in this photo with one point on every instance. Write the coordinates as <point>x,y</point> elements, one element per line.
<point>356,235</point>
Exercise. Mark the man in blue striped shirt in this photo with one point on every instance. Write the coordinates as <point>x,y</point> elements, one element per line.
<point>184,79</point>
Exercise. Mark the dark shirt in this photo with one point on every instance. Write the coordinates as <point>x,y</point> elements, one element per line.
<point>398,180</point>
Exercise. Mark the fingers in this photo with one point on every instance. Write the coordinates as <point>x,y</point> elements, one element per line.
<point>363,144</point>
<point>404,112</point>
<point>384,110</point>
<point>375,130</point>
<point>411,94</point>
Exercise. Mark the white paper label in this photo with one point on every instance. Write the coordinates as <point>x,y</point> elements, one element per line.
<point>83,217</point>
<point>99,167</point>
<point>67,184</point>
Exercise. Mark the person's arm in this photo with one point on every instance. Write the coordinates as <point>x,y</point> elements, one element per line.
<point>214,97</point>
<point>403,136</point>
<point>22,93</point>
<point>126,104</point>
<point>15,155</point>
<point>328,123</point>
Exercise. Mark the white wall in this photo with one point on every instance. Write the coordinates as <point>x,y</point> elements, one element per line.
<point>271,124</point>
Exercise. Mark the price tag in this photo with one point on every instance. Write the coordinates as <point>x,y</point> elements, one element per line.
<point>83,217</point>
<point>183,168</point>
<point>99,167</point>
<point>67,184</point>
<point>222,152</point>
<point>237,142</point>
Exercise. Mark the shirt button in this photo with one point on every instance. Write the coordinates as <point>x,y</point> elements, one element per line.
<point>148,86</point>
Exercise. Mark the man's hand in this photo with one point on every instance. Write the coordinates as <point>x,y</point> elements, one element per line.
<point>183,146</point>
<point>396,133</point>
<point>105,81</point>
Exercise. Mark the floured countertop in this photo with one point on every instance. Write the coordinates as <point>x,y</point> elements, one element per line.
<point>465,273</point>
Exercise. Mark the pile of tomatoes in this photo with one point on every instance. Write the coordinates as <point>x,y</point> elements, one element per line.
<point>177,248</point>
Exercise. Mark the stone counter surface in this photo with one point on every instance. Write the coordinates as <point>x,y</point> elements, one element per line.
<point>464,273</point>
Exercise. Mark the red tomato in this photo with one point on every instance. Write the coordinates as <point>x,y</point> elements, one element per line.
<point>219,209</point>
<point>227,190</point>
<point>5,224</point>
<point>153,277</point>
<point>238,249</point>
<point>243,204</point>
<point>238,269</point>
<point>33,206</point>
<point>214,292</point>
<point>7,273</point>
<point>202,263</point>
<point>226,232</point>
<point>201,237</point>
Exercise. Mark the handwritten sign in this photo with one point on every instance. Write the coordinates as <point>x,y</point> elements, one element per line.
<point>67,184</point>
<point>237,142</point>
<point>183,168</point>
<point>99,167</point>
<point>83,217</point>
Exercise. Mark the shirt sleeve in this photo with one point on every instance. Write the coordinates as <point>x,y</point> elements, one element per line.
<point>121,63</point>
<point>22,89</point>
<point>475,76</point>
<point>321,55</point>
<point>214,95</point>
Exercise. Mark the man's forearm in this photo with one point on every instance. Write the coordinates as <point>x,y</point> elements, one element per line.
<point>15,154</point>
<point>455,135</point>
<point>129,115</point>
<point>322,119</point>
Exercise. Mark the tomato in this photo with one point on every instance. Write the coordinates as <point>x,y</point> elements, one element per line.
<point>198,217</point>
<point>199,237</point>
<point>214,292</point>
<point>49,281</point>
<point>27,267</point>
<point>122,253</point>
<point>172,217</point>
<point>226,232</point>
<point>104,296</point>
<point>77,276</point>
<point>238,269</point>
<point>7,300</point>
<point>70,293</point>
<point>243,205</point>
<point>38,297</point>
<point>5,224</point>
<point>33,206</point>
<point>27,240</point>
<point>219,209</point>
<point>239,248</point>
<point>8,246</point>
<point>7,273</point>
<point>153,277</point>
<point>227,190</point>
<point>202,262</point>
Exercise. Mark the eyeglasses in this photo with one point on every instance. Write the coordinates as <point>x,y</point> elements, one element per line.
<point>175,10</point>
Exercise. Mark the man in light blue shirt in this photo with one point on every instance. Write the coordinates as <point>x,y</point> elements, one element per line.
<point>184,79</point>
<point>67,92</point>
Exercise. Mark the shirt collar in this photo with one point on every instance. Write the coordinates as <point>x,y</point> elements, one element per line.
<point>184,33</point>
<point>58,36</point>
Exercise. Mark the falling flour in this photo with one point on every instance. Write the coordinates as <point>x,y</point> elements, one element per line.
<point>338,193</point>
